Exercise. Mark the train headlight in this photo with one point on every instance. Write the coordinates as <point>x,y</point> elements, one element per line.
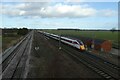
<point>82,47</point>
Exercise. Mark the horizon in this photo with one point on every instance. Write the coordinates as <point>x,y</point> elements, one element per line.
<point>57,28</point>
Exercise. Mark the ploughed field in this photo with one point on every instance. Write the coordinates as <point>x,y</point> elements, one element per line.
<point>47,61</point>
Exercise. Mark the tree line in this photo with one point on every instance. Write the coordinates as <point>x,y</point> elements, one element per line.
<point>11,31</point>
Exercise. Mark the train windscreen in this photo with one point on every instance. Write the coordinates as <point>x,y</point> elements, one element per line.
<point>80,42</point>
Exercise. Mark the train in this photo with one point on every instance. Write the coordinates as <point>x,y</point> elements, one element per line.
<point>72,42</point>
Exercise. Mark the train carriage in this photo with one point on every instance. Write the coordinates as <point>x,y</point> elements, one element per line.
<point>72,42</point>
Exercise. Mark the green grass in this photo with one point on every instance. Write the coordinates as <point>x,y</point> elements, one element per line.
<point>106,35</point>
<point>8,41</point>
<point>0,38</point>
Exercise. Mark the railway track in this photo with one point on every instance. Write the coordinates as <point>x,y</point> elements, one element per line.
<point>104,68</point>
<point>97,66</point>
<point>9,55</point>
<point>103,61</point>
<point>14,61</point>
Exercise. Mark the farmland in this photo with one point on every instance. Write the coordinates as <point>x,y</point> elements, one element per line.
<point>0,38</point>
<point>12,36</point>
<point>9,41</point>
<point>106,35</point>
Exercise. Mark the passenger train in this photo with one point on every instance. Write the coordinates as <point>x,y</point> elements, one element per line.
<point>72,42</point>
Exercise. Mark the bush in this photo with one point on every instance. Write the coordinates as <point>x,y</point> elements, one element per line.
<point>22,31</point>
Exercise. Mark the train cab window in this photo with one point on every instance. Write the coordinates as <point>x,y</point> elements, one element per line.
<point>80,42</point>
<point>75,43</point>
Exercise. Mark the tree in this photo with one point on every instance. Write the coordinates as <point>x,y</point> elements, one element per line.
<point>113,29</point>
<point>22,31</point>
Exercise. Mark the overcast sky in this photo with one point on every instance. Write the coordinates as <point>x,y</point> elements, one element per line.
<point>53,15</point>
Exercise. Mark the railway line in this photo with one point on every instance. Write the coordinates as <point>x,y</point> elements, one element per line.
<point>104,68</point>
<point>97,65</point>
<point>14,60</point>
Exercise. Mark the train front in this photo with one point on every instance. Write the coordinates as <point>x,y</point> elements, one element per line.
<point>82,46</point>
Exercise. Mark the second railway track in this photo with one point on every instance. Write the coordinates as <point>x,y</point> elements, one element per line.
<point>9,55</point>
<point>13,66</point>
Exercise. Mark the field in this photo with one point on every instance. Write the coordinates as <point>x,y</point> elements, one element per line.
<point>106,35</point>
<point>12,36</point>
<point>8,41</point>
<point>0,39</point>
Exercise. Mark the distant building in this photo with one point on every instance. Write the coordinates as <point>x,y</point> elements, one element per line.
<point>97,44</point>
<point>103,45</point>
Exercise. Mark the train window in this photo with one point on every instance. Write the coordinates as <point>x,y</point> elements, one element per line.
<point>80,42</point>
<point>69,41</point>
<point>75,43</point>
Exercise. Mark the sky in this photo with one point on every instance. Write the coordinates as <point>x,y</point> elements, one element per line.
<point>53,15</point>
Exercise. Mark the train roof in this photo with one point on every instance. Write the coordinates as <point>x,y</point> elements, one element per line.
<point>68,38</point>
<point>63,37</point>
<point>74,38</point>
